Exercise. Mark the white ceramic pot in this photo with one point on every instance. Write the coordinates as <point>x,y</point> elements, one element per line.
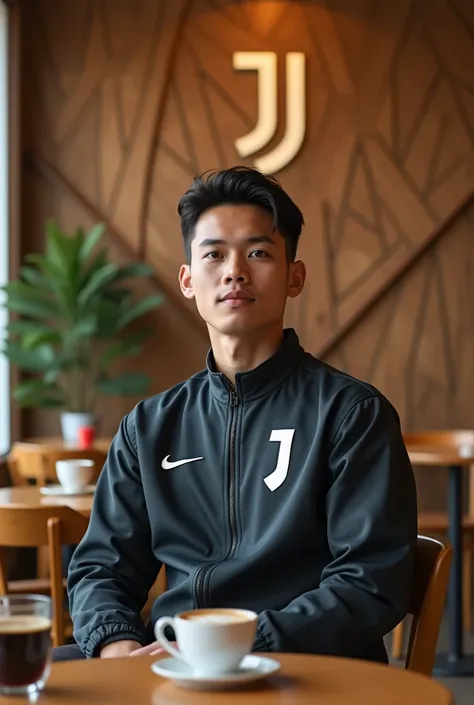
<point>71,422</point>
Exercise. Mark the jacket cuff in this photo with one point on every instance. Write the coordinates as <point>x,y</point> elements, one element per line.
<point>260,643</point>
<point>108,633</point>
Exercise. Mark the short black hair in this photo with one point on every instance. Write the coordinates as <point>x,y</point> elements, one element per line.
<point>245,185</point>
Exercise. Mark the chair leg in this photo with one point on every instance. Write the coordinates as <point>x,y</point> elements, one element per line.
<point>467,589</point>
<point>397,642</point>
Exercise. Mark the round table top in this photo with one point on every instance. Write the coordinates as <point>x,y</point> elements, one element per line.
<point>441,455</point>
<point>32,497</point>
<point>303,680</point>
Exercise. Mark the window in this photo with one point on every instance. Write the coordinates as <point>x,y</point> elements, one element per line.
<point>4,231</point>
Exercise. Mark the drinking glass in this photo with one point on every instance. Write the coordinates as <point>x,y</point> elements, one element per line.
<point>25,643</point>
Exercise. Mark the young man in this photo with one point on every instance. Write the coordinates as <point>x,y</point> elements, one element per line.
<point>269,481</point>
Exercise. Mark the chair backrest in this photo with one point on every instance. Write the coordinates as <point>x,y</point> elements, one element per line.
<point>430,584</point>
<point>13,467</point>
<point>51,526</point>
<point>33,461</point>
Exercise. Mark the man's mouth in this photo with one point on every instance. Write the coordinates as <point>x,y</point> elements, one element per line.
<point>235,299</point>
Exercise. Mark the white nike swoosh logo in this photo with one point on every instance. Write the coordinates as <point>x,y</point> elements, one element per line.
<point>166,464</point>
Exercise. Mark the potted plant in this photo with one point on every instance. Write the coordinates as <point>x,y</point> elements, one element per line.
<point>74,321</point>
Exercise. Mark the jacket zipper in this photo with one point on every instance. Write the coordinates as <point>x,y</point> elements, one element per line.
<point>234,401</point>
<point>232,513</point>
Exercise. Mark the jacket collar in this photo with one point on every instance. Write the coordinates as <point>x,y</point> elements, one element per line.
<point>262,379</point>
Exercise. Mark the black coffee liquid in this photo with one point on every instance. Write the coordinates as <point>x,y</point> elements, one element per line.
<point>24,647</point>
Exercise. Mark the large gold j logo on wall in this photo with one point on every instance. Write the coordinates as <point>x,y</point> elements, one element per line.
<point>265,63</point>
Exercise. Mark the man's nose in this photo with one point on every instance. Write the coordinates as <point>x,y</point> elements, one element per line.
<point>236,271</point>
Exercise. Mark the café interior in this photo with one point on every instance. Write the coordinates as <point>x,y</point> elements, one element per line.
<point>364,111</point>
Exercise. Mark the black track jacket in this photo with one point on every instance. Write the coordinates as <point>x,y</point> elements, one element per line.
<point>291,495</point>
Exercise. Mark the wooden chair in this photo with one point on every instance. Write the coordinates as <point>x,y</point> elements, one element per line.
<point>437,523</point>
<point>50,526</point>
<point>31,461</point>
<point>430,585</point>
<point>37,462</point>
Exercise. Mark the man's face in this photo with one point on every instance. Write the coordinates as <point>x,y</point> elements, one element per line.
<point>239,272</point>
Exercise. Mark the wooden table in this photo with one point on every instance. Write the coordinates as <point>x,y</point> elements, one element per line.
<point>53,443</point>
<point>35,457</point>
<point>31,497</point>
<point>455,662</point>
<point>303,680</point>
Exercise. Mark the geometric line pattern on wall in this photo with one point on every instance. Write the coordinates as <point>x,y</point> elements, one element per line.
<point>133,104</point>
<point>417,343</point>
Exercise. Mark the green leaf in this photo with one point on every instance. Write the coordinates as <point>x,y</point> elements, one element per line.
<point>98,280</point>
<point>57,276</point>
<point>140,309</point>
<point>24,290</point>
<point>23,326</point>
<point>118,295</point>
<point>79,239</point>
<point>39,359</point>
<point>82,330</point>
<point>34,392</point>
<point>34,309</point>
<point>28,301</point>
<point>116,351</point>
<point>99,261</point>
<point>33,340</point>
<point>35,259</point>
<point>34,277</point>
<point>59,247</point>
<point>62,260</point>
<point>91,241</point>
<point>75,266</point>
<point>128,347</point>
<point>107,313</point>
<point>128,383</point>
<point>25,390</point>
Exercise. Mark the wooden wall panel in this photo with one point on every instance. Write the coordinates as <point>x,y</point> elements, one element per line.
<point>127,106</point>
<point>389,149</point>
<point>417,344</point>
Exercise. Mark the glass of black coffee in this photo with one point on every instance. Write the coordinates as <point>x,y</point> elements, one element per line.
<point>25,643</point>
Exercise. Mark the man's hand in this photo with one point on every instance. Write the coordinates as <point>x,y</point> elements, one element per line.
<point>151,650</point>
<point>120,648</point>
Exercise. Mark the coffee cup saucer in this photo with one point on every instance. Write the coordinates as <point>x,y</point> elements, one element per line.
<point>252,668</point>
<point>54,490</point>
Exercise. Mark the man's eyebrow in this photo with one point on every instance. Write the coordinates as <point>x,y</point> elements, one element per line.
<point>254,240</point>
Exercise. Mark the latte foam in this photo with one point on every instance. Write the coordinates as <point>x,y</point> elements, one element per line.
<point>214,619</point>
<point>216,616</point>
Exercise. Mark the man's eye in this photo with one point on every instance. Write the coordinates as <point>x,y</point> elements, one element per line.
<point>258,254</point>
<point>212,255</point>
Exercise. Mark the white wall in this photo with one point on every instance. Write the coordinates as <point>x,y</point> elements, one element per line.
<point>4,369</point>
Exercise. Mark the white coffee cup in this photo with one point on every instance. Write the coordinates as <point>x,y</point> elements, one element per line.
<point>74,475</point>
<point>211,641</point>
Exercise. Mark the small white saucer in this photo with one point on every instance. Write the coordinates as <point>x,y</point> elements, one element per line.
<point>59,490</point>
<point>252,668</point>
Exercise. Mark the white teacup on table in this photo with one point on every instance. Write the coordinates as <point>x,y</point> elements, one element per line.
<point>75,475</point>
<point>211,641</point>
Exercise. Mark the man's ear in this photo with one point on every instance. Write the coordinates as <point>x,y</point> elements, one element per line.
<point>296,279</point>
<point>185,281</point>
